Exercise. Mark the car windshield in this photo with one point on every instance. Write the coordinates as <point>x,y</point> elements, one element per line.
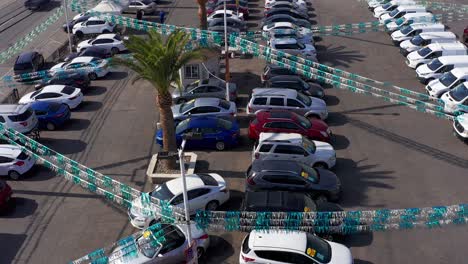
<point>417,40</point>
<point>303,121</point>
<point>424,51</point>
<point>304,99</point>
<point>394,12</point>
<point>387,6</point>
<point>434,64</point>
<point>308,145</point>
<point>447,79</point>
<point>21,117</point>
<point>162,193</point>
<point>147,248</point>
<point>400,21</point>
<point>309,173</point>
<point>406,30</point>
<point>285,35</point>
<point>182,126</point>
<point>460,92</point>
<point>225,124</point>
<point>68,90</point>
<point>187,106</point>
<point>318,249</point>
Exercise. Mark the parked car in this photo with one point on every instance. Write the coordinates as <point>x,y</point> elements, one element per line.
<point>27,62</point>
<point>389,7</point>
<point>204,107</point>
<point>280,246</point>
<point>293,146</point>
<point>205,192</point>
<point>50,114</point>
<point>280,121</point>
<point>400,11</point>
<point>61,94</point>
<point>296,83</point>
<point>229,14</point>
<point>92,66</point>
<point>72,22</point>
<point>5,195</point>
<point>14,162</point>
<point>93,51</point>
<point>171,251</point>
<point>19,117</point>
<point>433,51</point>
<point>230,22</point>
<point>456,98</point>
<point>294,47</point>
<point>273,70</point>
<point>287,18</point>
<point>112,43</point>
<point>410,19</point>
<point>231,6</point>
<point>147,7</point>
<point>270,3</point>
<point>287,25</point>
<point>424,39</point>
<point>286,11</point>
<point>465,35</point>
<point>77,79</point>
<point>412,30</point>
<point>35,4</point>
<point>93,25</point>
<point>290,5</point>
<point>447,81</point>
<point>290,33</point>
<point>287,175</point>
<point>286,99</point>
<point>204,88</point>
<point>436,67</point>
<point>460,126</point>
<point>212,132</point>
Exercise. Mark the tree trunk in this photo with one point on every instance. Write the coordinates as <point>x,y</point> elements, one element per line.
<point>202,14</point>
<point>167,124</point>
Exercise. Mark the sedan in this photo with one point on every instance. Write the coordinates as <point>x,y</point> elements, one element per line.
<point>144,6</point>
<point>51,115</point>
<point>204,88</point>
<point>229,14</point>
<point>241,9</point>
<point>110,42</point>
<point>230,22</point>
<point>211,132</point>
<point>14,162</point>
<point>290,33</point>
<point>205,192</point>
<point>204,107</point>
<point>281,4</point>
<point>286,11</point>
<point>92,66</point>
<point>74,21</point>
<point>77,79</point>
<point>295,82</point>
<point>270,3</point>
<point>92,51</point>
<point>172,250</point>
<point>287,18</point>
<point>61,94</point>
<point>5,195</point>
<point>291,45</point>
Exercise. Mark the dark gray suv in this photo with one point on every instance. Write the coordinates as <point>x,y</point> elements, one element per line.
<point>286,175</point>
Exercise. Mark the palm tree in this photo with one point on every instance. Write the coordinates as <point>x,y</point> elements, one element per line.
<point>158,61</point>
<point>202,13</point>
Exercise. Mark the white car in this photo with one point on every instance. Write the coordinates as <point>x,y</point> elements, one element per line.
<point>293,146</point>
<point>93,25</point>
<point>287,25</point>
<point>270,3</point>
<point>447,81</point>
<point>62,94</point>
<point>290,33</point>
<point>229,14</point>
<point>205,192</point>
<point>293,46</point>
<point>14,162</point>
<point>460,126</point>
<point>94,67</point>
<point>456,99</point>
<point>281,246</point>
<point>19,117</point>
<point>172,250</point>
<point>111,42</point>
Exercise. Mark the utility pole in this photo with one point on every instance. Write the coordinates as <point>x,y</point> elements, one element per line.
<point>226,55</point>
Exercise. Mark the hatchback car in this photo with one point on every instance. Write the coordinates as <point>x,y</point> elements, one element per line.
<point>292,146</point>
<point>19,117</point>
<point>171,251</point>
<point>212,132</point>
<point>112,43</point>
<point>93,25</point>
<point>205,192</point>
<point>279,246</point>
<point>61,94</point>
<point>14,162</point>
<point>74,79</point>
<point>295,82</point>
<point>51,115</point>
<point>293,46</point>
<point>94,67</point>
<point>27,62</point>
<point>204,107</point>
<point>278,121</point>
<point>147,7</point>
<point>204,88</point>
<point>288,175</point>
<point>5,195</point>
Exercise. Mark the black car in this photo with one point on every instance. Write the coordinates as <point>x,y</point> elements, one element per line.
<point>92,51</point>
<point>230,22</point>
<point>78,80</point>
<point>35,4</point>
<point>27,62</point>
<point>73,22</point>
<point>286,11</point>
<point>295,82</point>
<point>287,175</point>
<point>273,70</point>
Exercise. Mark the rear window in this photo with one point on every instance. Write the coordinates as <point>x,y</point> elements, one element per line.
<point>265,148</point>
<point>21,117</point>
<point>68,90</point>
<point>318,249</point>
<point>22,156</point>
<point>22,66</point>
<point>260,101</point>
<point>208,179</point>
<point>224,104</point>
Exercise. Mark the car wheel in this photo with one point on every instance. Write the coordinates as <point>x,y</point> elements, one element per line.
<point>200,252</point>
<point>14,175</point>
<point>92,76</point>
<point>79,34</point>
<point>321,165</point>
<point>211,206</point>
<point>114,51</point>
<point>105,31</point>
<point>181,101</point>
<point>50,126</point>
<point>220,145</point>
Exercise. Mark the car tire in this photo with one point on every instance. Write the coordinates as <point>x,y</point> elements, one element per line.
<point>50,126</point>
<point>181,101</point>
<point>92,76</point>
<point>211,206</point>
<point>14,175</point>
<point>220,145</point>
<point>200,252</point>
<point>79,34</point>
<point>114,51</point>
<point>321,165</point>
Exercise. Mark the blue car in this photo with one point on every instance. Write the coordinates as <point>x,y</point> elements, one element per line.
<point>215,132</point>
<point>51,115</point>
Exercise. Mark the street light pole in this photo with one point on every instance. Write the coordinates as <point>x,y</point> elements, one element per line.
<point>65,3</point>
<point>226,55</point>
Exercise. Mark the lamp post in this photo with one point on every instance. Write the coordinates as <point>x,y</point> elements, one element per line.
<point>65,3</point>
<point>226,55</point>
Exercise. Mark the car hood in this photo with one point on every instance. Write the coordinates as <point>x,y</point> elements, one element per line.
<point>177,92</point>
<point>406,44</point>
<point>385,17</point>
<point>26,98</point>
<point>397,34</point>
<point>57,66</point>
<point>318,104</point>
<point>136,209</point>
<point>423,70</point>
<point>378,10</point>
<point>324,149</point>
<point>340,254</point>
<point>328,179</point>
<point>318,124</point>
<point>449,105</point>
<point>414,55</point>
<point>436,85</point>
<point>84,43</point>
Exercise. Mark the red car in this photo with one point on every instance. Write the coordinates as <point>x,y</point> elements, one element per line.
<point>5,195</point>
<point>465,35</point>
<point>278,121</point>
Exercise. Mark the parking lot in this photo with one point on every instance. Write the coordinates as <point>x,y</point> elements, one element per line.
<point>388,156</point>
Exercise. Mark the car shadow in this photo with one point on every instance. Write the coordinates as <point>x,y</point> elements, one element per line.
<point>38,173</point>
<point>331,100</point>
<point>63,145</point>
<point>19,207</point>
<point>50,6</point>
<point>235,201</point>
<point>116,75</point>
<point>10,245</point>
<point>95,90</point>
<point>340,142</point>
<point>76,124</point>
<point>88,106</point>
<point>220,249</point>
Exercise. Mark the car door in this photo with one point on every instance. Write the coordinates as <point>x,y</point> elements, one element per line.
<point>289,152</point>
<point>5,164</point>
<point>172,250</point>
<point>273,127</point>
<point>197,92</point>
<point>210,136</point>
<point>134,6</point>
<point>198,199</point>
<point>104,43</point>
<point>90,27</point>
<point>276,103</point>
<point>296,106</point>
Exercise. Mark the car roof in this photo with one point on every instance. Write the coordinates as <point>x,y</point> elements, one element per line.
<point>290,240</point>
<point>419,14</point>
<point>289,93</point>
<point>276,165</point>
<point>284,24</point>
<point>7,150</point>
<point>95,18</point>
<point>442,34</point>
<point>447,46</point>
<point>283,78</point>
<point>222,11</point>
<point>109,35</point>
<point>274,201</point>
<point>25,57</point>
<point>13,108</point>
<point>460,71</point>
<point>427,25</point>
<point>406,7</point>
<point>284,41</point>
<point>207,121</point>
<point>192,180</point>
<point>453,59</point>
<point>83,59</point>
<point>280,137</point>
<point>207,101</point>
<point>55,88</point>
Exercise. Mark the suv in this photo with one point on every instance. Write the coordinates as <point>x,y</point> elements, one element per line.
<point>204,88</point>
<point>293,146</point>
<point>279,121</point>
<point>273,70</point>
<point>19,117</point>
<point>289,175</point>
<point>286,99</point>
<point>295,82</point>
<point>14,162</point>
<point>93,25</point>
<point>293,46</point>
<point>27,62</point>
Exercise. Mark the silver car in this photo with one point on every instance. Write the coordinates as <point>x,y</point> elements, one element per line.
<point>172,250</point>
<point>146,6</point>
<point>204,107</point>
<point>287,18</point>
<point>291,33</point>
<point>230,22</point>
<point>204,88</point>
<point>293,46</point>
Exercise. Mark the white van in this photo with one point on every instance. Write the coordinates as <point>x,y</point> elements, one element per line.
<point>390,6</point>
<point>412,30</point>
<point>460,126</point>
<point>435,50</point>
<point>436,67</point>
<point>409,19</point>
<point>447,81</point>
<point>401,11</point>
<point>456,99</point>
<point>425,39</point>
